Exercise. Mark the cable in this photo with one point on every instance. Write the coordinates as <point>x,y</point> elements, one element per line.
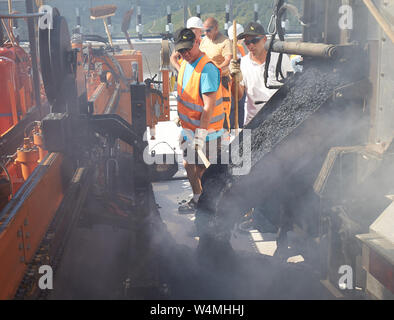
<point>147,64</point>
<point>271,29</point>
<point>9,179</point>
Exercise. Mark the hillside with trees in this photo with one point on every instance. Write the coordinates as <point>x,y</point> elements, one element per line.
<point>154,13</point>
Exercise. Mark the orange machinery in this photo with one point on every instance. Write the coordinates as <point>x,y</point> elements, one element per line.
<point>21,151</point>
<point>15,85</point>
<point>17,99</point>
<point>42,192</point>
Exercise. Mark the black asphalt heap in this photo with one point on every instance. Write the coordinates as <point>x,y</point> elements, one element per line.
<point>290,137</point>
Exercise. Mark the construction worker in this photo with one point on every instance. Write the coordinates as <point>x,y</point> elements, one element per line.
<point>241,101</point>
<point>195,24</point>
<point>218,48</point>
<point>200,109</point>
<point>250,70</point>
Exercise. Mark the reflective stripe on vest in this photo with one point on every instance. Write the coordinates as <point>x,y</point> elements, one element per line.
<point>197,122</point>
<point>196,107</point>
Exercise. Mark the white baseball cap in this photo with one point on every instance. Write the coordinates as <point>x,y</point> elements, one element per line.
<point>239,29</point>
<point>194,22</point>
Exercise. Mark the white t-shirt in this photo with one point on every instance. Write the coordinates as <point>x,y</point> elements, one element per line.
<point>253,80</point>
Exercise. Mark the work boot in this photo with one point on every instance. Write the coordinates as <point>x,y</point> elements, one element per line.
<point>188,208</point>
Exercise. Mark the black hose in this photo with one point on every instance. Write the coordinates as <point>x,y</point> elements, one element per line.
<point>9,178</point>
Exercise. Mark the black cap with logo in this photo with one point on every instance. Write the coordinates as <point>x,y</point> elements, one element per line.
<point>184,39</point>
<point>252,29</point>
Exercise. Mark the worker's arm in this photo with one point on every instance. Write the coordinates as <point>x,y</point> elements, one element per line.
<point>227,53</point>
<point>175,56</point>
<point>226,62</point>
<point>209,105</point>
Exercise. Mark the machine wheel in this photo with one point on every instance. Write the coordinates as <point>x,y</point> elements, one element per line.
<point>57,63</point>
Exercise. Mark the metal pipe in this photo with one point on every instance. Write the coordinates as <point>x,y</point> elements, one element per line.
<point>227,17</point>
<point>169,26</point>
<point>198,10</point>
<point>10,11</point>
<point>184,13</point>
<point>108,32</point>
<point>168,14</point>
<point>303,48</point>
<point>256,12</point>
<point>78,17</point>
<point>20,15</point>
<point>139,23</point>
<point>231,18</point>
<point>113,101</point>
<point>33,55</point>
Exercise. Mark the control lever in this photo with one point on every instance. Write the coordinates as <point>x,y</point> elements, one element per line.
<point>148,81</point>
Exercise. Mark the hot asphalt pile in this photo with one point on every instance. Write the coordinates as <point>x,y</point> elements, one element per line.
<point>275,146</point>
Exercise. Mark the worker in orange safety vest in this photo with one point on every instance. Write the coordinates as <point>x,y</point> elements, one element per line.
<point>200,109</point>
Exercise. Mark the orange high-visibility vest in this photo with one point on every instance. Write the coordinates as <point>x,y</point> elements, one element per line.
<point>241,49</point>
<point>191,104</point>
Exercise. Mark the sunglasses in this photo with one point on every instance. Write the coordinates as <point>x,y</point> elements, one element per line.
<point>208,29</point>
<point>254,40</point>
<point>184,51</point>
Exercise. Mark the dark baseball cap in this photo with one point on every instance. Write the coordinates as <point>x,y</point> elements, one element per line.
<point>252,29</point>
<point>184,39</point>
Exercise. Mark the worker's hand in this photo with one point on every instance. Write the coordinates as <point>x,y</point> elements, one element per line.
<point>200,136</point>
<point>174,59</point>
<point>176,55</point>
<point>235,69</point>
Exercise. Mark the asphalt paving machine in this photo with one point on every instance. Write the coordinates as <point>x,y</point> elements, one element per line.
<point>91,141</point>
